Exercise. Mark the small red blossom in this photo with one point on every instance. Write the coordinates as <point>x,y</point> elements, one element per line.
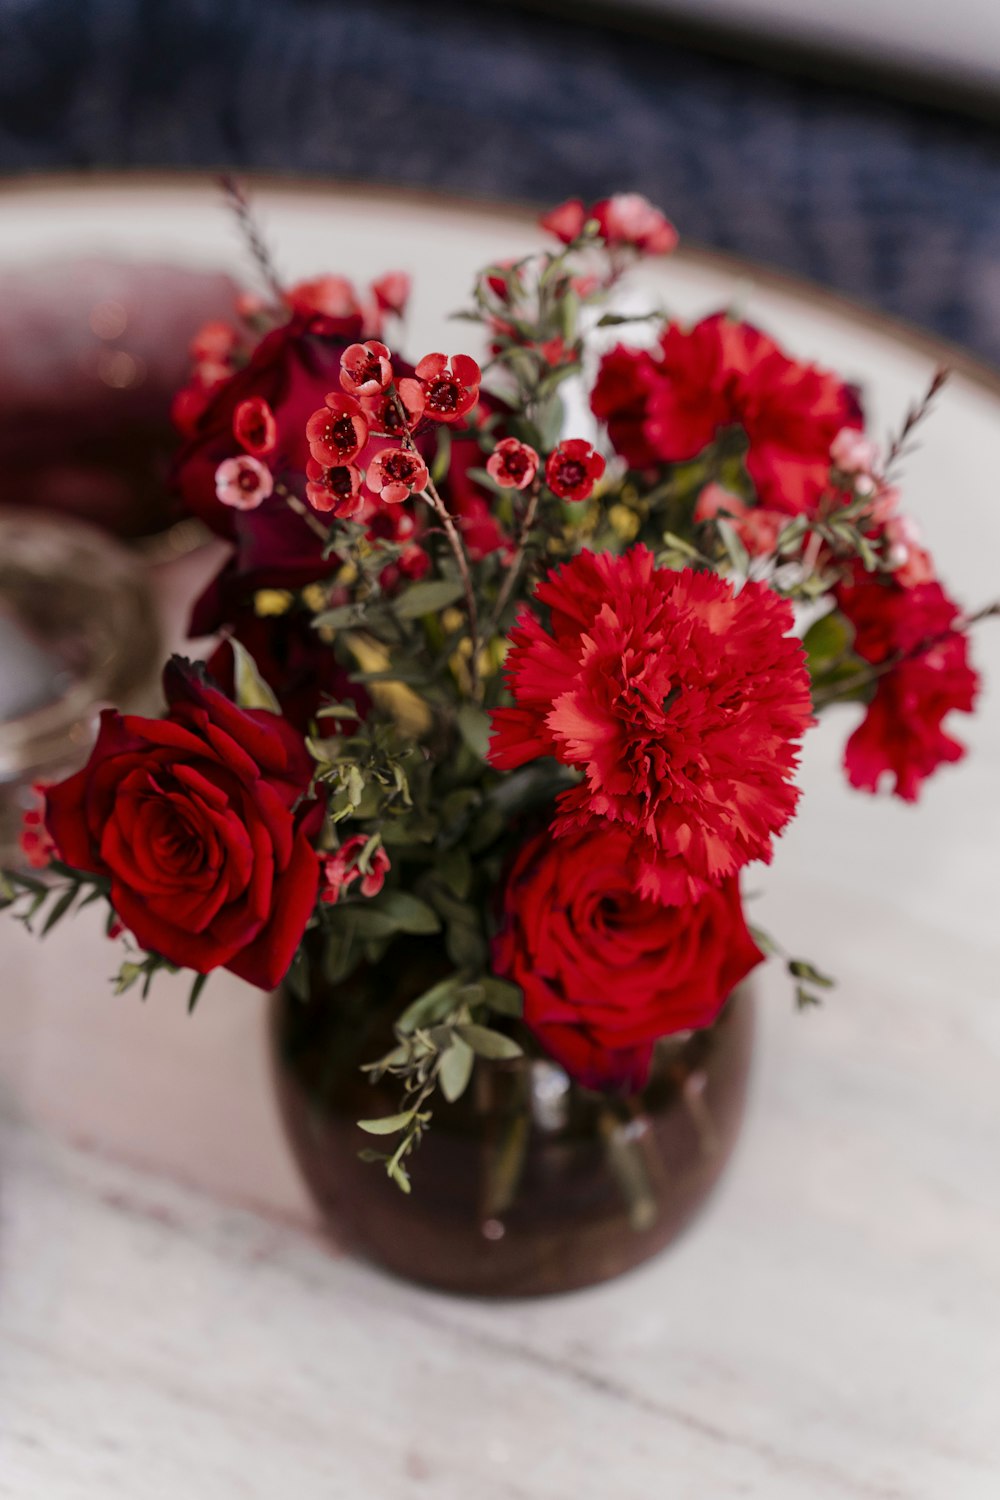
<point>667,406</point>
<point>572,469</point>
<point>901,735</point>
<point>392,291</point>
<point>254,427</point>
<point>243,482</point>
<point>604,972</point>
<point>335,488</point>
<point>630,219</point>
<point>383,409</point>
<point>37,845</point>
<point>758,529</point>
<point>337,432</point>
<point>340,870</point>
<point>566,221</point>
<point>365,369</point>
<point>909,559</point>
<point>512,464</point>
<point>451,387</point>
<point>395,474</point>
<point>332,297</point>
<point>214,344</point>
<point>681,701</point>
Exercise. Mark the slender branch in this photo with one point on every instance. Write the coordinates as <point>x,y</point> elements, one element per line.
<point>250,229</point>
<point>879,669</point>
<point>294,503</point>
<point>431,496</point>
<point>914,417</point>
<point>507,588</point>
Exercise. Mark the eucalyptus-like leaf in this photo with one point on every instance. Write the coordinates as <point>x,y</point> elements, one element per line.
<point>427,598</point>
<point>456,1069</point>
<point>387,1124</point>
<point>487,1043</point>
<point>251,689</point>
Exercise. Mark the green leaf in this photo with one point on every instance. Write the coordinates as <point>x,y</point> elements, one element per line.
<point>433,1005</point>
<point>199,984</point>
<point>387,1124</point>
<point>454,869</point>
<point>487,1043</point>
<point>826,642</point>
<point>501,996</point>
<point>456,1069</point>
<point>805,998</point>
<point>60,908</point>
<point>342,618</point>
<point>799,968</point>
<point>427,598</point>
<point>474,727</point>
<point>251,689</point>
<point>737,553</point>
<point>407,913</point>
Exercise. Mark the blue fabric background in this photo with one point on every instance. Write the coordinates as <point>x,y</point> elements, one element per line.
<point>891,202</point>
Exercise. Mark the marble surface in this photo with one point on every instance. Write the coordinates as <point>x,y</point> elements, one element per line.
<point>172,1323</point>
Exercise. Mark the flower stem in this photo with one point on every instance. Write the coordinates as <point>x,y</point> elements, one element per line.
<point>513,572</point>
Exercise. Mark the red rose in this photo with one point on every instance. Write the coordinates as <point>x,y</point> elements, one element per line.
<point>198,822</point>
<point>667,406</point>
<point>681,703</point>
<point>901,734</point>
<point>604,973</point>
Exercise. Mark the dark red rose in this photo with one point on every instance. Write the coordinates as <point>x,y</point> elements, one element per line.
<point>301,669</point>
<point>901,735</point>
<point>667,405</point>
<point>605,973</point>
<point>198,822</point>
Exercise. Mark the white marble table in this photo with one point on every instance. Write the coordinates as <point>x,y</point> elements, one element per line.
<point>170,1321</point>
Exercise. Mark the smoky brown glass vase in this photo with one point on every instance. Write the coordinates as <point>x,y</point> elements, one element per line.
<point>528,1184</point>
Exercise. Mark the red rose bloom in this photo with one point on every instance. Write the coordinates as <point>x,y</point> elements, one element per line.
<point>512,464</point>
<point>365,369</point>
<point>604,972</point>
<point>667,406</point>
<point>337,432</point>
<point>336,488</point>
<point>254,427</point>
<point>572,469</point>
<point>395,473</point>
<point>681,702</point>
<point>901,734</point>
<point>197,821</point>
<point>451,387</point>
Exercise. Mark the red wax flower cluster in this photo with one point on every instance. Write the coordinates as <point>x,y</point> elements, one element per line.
<point>680,701</point>
<point>667,405</point>
<point>626,219</point>
<point>605,972</point>
<point>198,822</point>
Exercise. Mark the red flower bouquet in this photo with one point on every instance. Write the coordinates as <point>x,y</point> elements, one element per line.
<point>498,709</point>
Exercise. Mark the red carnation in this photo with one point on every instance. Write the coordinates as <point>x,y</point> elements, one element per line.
<point>451,387</point>
<point>336,488</point>
<point>365,369</point>
<point>606,973</point>
<point>512,464</point>
<point>198,822</point>
<point>572,469</point>
<point>680,701</point>
<point>337,432</point>
<point>254,427</point>
<point>395,473</point>
<point>667,406</point>
<point>901,734</point>
<point>630,219</point>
